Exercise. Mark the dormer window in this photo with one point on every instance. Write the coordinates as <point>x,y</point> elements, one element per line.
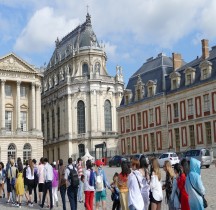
<point>189,76</point>
<point>139,89</point>
<point>126,100</point>
<point>175,80</point>
<point>151,86</point>
<point>206,69</point>
<point>127,96</point>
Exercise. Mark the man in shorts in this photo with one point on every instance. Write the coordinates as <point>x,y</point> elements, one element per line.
<point>41,179</point>
<point>100,185</point>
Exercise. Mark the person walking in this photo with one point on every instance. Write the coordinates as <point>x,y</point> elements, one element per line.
<point>115,193</point>
<point>89,186</point>
<point>100,185</point>
<point>62,183</point>
<point>48,178</point>
<point>145,181</point>
<point>19,184</point>
<point>122,185</point>
<point>194,185</point>
<point>156,194</point>
<point>26,181</point>
<point>80,173</point>
<point>30,181</point>
<point>35,179</point>
<point>8,180</point>
<point>135,200</point>
<point>55,185</point>
<point>41,179</point>
<point>2,180</point>
<point>72,180</point>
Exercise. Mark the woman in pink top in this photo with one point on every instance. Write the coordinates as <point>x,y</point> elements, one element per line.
<point>55,185</point>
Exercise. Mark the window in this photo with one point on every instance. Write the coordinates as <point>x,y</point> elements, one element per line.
<point>189,79</point>
<point>175,105</point>
<point>23,121</point>
<point>192,135</point>
<point>8,121</point>
<point>151,115</point>
<point>208,133</point>
<point>206,102</point>
<point>81,117</point>
<point>205,73</point>
<point>139,119</point>
<point>23,91</point>
<point>81,150</point>
<point>127,122</point>
<point>12,151</point>
<point>126,100</point>
<point>138,95</point>
<point>8,90</point>
<point>140,143</point>
<point>108,116</point>
<point>53,123</point>
<point>177,138</point>
<point>190,107</point>
<point>150,91</point>
<point>58,116</point>
<point>174,84</point>
<point>27,152</point>
<point>48,126</point>
<point>85,69</point>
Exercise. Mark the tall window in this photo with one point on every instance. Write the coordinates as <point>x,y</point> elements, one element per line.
<point>108,116</point>
<point>190,106</point>
<point>126,100</point>
<point>140,143</point>
<point>174,84</point>
<point>85,69</point>
<point>8,121</point>
<point>151,115</point>
<point>192,135</point>
<point>81,117</point>
<point>8,90</point>
<point>208,133</point>
<point>206,102</point>
<point>12,151</point>
<point>205,73</point>
<point>177,138</point>
<point>27,152</point>
<point>48,126</point>
<point>176,114</point>
<point>53,124</point>
<point>58,115</point>
<point>189,79</point>
<point>81,150</point>
<point>139,121</point>
<point>23,121</point>
<point>127,122</point>
<point>23,91</point>
<point>138,94</point>
<point>150,91</point>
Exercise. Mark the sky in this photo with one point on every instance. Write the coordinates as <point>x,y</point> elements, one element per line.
<point>132,31</point>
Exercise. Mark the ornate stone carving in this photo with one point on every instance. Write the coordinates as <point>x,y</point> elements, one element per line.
<point>61,74</point>
<point>67,70</point>
<point>50,82</point>
<point>55,79</point>
<point>45,85</point>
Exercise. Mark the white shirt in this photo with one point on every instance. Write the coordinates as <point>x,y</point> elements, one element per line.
<point>48,173</point>
<point>134,194</point>
<point>156,188</point>
<point>29,174</point>
<point>87,187</point>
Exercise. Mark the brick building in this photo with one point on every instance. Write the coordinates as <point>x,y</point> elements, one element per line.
<point>170,105</point>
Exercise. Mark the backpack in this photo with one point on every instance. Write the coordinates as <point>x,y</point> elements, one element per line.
<point>91,178</point>
<point>73,177</point>
<point>99,183</point>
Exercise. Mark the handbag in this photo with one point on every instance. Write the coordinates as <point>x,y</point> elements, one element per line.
<point>205,203</point>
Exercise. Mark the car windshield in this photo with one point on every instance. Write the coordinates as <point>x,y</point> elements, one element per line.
<point>192,153</point>
<point>173,155</point>
<point>205,152</point>
<point>164,156</point>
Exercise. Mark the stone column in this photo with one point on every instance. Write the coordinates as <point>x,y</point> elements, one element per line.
<point>18,127</point>
<point>69,116</point>
<point>33,106</point>
<point>38,108</point>
<point>3,104</point>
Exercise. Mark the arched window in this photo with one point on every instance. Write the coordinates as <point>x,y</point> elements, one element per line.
<point>108,116</point>
<point>12,151</point>
<point>97,67</point>
<point>27,152</point>
<point>81,150</point>
<point>81,116</point>
<point>85,69</point>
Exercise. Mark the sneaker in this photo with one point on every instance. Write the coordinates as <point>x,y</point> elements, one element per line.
<point>30,205</point>
<point>8,202</point>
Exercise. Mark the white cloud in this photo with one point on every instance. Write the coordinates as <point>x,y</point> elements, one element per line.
<point>110,50</point>
<point>42,30</point>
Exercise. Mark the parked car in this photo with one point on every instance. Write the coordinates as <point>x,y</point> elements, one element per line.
<point>116,160</point>
<point>138,156</point>
<point>203,155</point>
<point>170,156</point>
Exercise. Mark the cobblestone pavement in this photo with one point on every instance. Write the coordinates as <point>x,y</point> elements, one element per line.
<point>208,177</point>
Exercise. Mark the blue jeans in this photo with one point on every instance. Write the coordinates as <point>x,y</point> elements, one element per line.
<point>63,193</point>
<point>72,196</point>
<point>131,207</point>
<point>80,191</point>
<point>47,187</point>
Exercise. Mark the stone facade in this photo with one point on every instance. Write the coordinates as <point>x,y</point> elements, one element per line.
<point>180,114</point>
<point>20,115</point>
<point>79,98</point>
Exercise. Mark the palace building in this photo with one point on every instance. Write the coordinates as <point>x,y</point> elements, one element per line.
<point>20,117</point>
<point>170,105</point>
<point>79,97</point>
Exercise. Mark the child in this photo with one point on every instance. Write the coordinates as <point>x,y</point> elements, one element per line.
<point>115,193</point>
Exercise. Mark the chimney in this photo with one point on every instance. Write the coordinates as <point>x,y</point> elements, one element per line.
<point>177,60</point>
<point>205,48</point>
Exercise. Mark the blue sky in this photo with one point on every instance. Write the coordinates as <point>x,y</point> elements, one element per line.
<point>132,31</point>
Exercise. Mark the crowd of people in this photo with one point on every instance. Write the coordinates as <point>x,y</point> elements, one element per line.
<point>137,187</point>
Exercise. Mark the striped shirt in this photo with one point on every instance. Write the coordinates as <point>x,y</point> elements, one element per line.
<point>79,169</point>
